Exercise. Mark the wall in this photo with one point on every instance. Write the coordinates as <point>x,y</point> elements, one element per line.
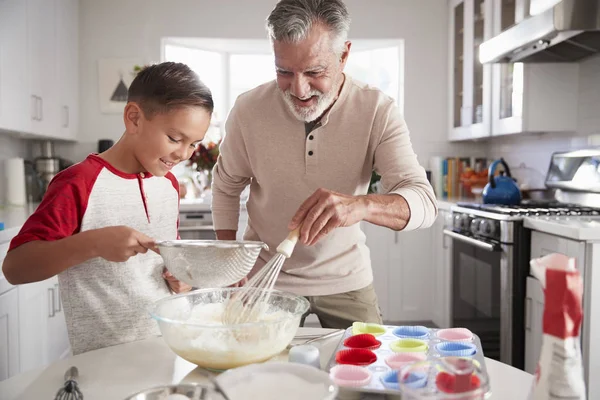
<point>535,149</point>
<point>134,28</point>
<point>10,146</point>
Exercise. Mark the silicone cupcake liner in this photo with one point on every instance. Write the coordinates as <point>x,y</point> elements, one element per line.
<point>412,332</point>
<point>362,341</point>
<point>455,334</point>
<point>355,357</point>
<point>414,380</point>
<point>390,380</point>
<point>459,349</point>
<point>373,329</point>
<point>350,375</point>
<point>400,360</point>
<point>409,345</point>
<point>447,383</point>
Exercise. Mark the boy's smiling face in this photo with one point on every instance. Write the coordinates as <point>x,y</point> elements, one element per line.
<point>165,139</point>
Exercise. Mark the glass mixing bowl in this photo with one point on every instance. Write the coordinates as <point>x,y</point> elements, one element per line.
<point>191,325</point>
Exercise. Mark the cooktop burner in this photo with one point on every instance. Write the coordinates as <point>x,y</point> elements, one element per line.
<point>531,208</point>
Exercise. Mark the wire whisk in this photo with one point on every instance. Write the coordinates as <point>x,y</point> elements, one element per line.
<point>70,390</point>
<point>252,300</point>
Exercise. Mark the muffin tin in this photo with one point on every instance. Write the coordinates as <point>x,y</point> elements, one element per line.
<point>369,356</point>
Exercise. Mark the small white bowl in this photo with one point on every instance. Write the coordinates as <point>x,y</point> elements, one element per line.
<point>273,379</point>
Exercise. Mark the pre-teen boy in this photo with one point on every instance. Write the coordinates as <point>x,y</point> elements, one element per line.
<point>100,217</point>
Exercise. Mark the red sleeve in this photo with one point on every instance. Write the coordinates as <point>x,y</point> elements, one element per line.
<point>60,213</point>
<point>175,184</point>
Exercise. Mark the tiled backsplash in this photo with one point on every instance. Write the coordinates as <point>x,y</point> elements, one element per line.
<point>10,147</point>
<point>535,150</point>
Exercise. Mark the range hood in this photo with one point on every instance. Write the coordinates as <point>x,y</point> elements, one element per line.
<point>568,31</point>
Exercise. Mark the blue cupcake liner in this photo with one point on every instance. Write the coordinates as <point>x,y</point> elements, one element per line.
<point>390,380</point>
<point>413,332</point>
<point>458,349</point>
<point>415,380</point>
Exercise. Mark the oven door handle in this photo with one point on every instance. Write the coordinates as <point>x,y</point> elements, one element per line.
<point>469,240</point>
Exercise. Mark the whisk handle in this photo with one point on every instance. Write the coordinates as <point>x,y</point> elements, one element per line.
<point>287,246</point>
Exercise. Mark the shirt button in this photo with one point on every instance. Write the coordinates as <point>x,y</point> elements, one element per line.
<point>311,137</point>
<point>142,174</point>
<point>310,153</point>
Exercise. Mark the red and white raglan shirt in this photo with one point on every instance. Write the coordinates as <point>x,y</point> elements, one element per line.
<point>106,302</point>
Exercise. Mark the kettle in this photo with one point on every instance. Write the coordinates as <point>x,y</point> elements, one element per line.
<point>501,189</point>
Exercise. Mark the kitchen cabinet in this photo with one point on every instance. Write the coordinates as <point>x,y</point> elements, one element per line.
<point>543,244</point>
<point>67,32</point>
<point>9,334</point>
<point>42,328</point>
<point>442,273</point>
<point>530,97</point>
<point>16,103</point>
<point>470,81</point>
<point>402,273</point>
<point>39,67</point>
<point>534,318</point>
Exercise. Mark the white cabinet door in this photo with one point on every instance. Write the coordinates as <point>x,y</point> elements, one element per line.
<point>411,276</point>
<point>534,316</point>
<point>16,103</point>
<point>470,81</point>
<point>9,334</point>
<point>34,313</point>
<point>58,339</point>
<point>67,43</point>
<point>42,65</point>
<point>442,254</point>
<point>379,241</point>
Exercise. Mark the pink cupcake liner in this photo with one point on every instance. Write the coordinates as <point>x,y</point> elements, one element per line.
<point>455,334</point>
<point>350,375</point>
<point>400,360</point>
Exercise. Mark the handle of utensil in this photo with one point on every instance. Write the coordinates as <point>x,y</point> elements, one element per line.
<point>72,374</point>
<point>287,246</point>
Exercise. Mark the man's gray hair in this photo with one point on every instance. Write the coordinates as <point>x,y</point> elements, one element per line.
<point>291,20</point>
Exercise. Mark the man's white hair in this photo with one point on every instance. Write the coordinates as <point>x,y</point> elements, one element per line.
<point>291,21</point>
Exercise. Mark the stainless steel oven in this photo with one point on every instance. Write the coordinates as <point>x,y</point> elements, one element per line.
<point>489,269</point>
<point>196,225</point>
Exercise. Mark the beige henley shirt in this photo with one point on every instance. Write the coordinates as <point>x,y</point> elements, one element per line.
<point>267,147</point>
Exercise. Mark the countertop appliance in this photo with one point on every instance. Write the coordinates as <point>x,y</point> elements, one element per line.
<point>491,253</point>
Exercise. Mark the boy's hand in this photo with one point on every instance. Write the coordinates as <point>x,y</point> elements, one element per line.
<point>174,284</point>
<point>240,283</point>
<point>119,243</point>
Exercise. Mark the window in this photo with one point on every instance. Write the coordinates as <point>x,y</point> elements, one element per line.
<point>231,67</point>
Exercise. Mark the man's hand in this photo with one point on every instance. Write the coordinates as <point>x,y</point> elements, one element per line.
<point>119,243</point>
<point>326,210</point>
<point>240,283</point>
<point>175,285</point>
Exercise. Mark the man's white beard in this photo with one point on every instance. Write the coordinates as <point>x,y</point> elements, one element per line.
<point>309,114</point>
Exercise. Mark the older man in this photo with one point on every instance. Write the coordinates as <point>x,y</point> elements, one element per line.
<point>307,144</point>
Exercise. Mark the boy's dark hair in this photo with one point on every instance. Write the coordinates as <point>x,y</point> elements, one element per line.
<point>159,88</point>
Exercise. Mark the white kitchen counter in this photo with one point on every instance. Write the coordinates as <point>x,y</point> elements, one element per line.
<point>13,219</point>
<point>578,228</point>
<point>118,371</point>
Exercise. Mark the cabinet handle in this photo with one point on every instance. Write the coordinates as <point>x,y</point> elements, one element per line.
<point>51,312</point>
<point>41,108</point>
<point>527,313</point>
<point>58,303</point>
<point>34,107</point>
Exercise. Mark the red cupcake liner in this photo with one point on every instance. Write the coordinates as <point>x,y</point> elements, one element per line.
<point>355,357</point>
<point>362,341</point>
<point>447,383</point>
